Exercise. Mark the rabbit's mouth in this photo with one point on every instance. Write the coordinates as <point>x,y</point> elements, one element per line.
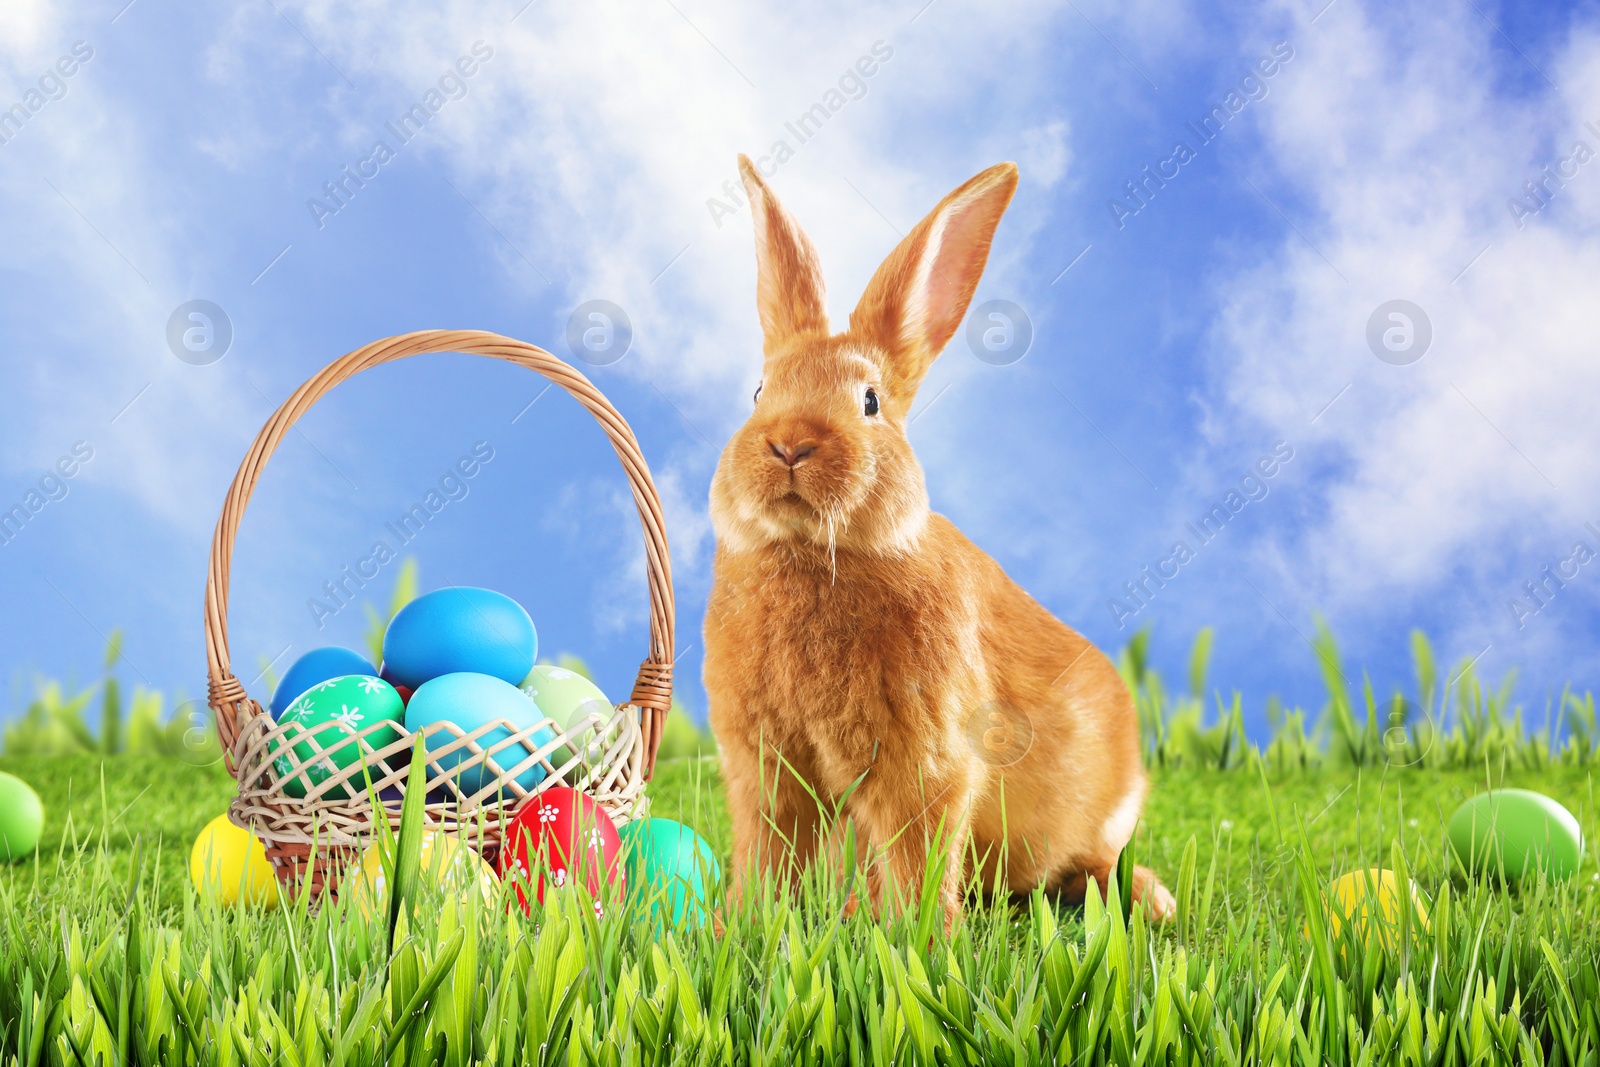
<point>791,507</point>
<point>821,490</point>
<point>794,511</point>
<point>759,500</point>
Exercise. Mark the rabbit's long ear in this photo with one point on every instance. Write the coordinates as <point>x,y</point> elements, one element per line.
<point>789,293</point>
<point>919,295</point>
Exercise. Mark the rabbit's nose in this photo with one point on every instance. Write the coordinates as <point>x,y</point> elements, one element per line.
<point>790,456</point>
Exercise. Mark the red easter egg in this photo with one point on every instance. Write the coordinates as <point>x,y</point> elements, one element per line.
<point>405,694</point>
<point>566,833</point>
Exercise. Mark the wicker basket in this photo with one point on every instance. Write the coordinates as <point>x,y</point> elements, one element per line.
<point>310,839</point>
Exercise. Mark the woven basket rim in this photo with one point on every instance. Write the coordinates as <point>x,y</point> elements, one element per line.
<point>598,756</point>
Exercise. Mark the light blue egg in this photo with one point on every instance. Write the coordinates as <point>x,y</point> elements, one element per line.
<point>472,700</point>
<point>317,666</point>
<point>460,629</point>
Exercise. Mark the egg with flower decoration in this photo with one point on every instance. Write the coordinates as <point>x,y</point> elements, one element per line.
<point>577,707</point>
<point>561,838</point>
<point>313,668</point>
<point>333,727</point>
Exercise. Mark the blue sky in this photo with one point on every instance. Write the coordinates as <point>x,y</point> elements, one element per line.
<point>1172,347</point>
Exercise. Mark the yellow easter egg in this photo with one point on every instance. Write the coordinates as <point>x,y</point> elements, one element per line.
<point>1371,898</point>
<point>229,865</point>
<point>444,862</point>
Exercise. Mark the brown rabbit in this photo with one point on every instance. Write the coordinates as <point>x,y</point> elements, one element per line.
<point>853,635</point>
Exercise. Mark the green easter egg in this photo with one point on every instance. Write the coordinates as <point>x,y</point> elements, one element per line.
<point>21,818</point>
<point>352,703</point>
<point>1515,832</point>
<point>569,700</point>
<point>666,854</point>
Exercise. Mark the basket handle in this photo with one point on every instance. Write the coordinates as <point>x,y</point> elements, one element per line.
<point>652,691</point>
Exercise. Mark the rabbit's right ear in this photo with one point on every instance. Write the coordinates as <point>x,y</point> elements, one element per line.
<point>918,297</point>
<point>789,293</point>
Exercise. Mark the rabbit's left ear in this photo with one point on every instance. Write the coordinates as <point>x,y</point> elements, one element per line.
<point>918,297</point>
<point>789,292</point>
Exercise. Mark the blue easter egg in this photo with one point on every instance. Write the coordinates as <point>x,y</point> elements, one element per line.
<point>472,701</point>
<point>315,667</point>
<point>460,629</point>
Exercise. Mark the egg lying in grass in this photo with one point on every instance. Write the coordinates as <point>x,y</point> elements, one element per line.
<point>1370,900</point>
<point>330,724</point>
<point>228,865</point>
<point>444,863</point>
<point>473,702</point>
<point>21,818</point>
<point>318,665</point>
<point>573,703</point>
<point>1515,832</point>
<point>562,838</point>
<point>459,629</point>
<point>671,863</point>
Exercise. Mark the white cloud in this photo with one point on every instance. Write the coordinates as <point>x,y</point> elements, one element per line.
<point>26,27</point>
<point>1045,153</point>
<point>89,225</point>
<point>1394,144</point>
<point>598,132</point>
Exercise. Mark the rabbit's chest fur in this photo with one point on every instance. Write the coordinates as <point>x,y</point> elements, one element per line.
<point>834,659</point>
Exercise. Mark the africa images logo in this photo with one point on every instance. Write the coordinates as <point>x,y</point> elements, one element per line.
<point>1252,488</point>
<point>1140,191</point>
<point>452,85</point>
<point>51,85</point>
<point>851,85</point>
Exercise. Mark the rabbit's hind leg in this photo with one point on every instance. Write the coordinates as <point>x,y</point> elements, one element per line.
<point>1072,882</point>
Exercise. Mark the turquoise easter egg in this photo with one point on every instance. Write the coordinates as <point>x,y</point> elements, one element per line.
<point>327,719</point>
<point>571,701</point>
<point>459,630</point>
<point>473,701</point>
<point>666,857</point>
<point>318,665</point>
<point>1514,832</point>
<point>21,818</point>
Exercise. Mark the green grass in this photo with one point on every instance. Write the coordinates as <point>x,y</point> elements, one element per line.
<point>1351,814</point>
<point>95,803</point>
<point>108,956</point>
<point>101,962</point>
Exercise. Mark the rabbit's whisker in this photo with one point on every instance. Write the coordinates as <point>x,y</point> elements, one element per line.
<point>833,558</point>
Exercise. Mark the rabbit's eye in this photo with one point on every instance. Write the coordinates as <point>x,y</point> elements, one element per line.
<point>872,402</point>
<point>757,397</point>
